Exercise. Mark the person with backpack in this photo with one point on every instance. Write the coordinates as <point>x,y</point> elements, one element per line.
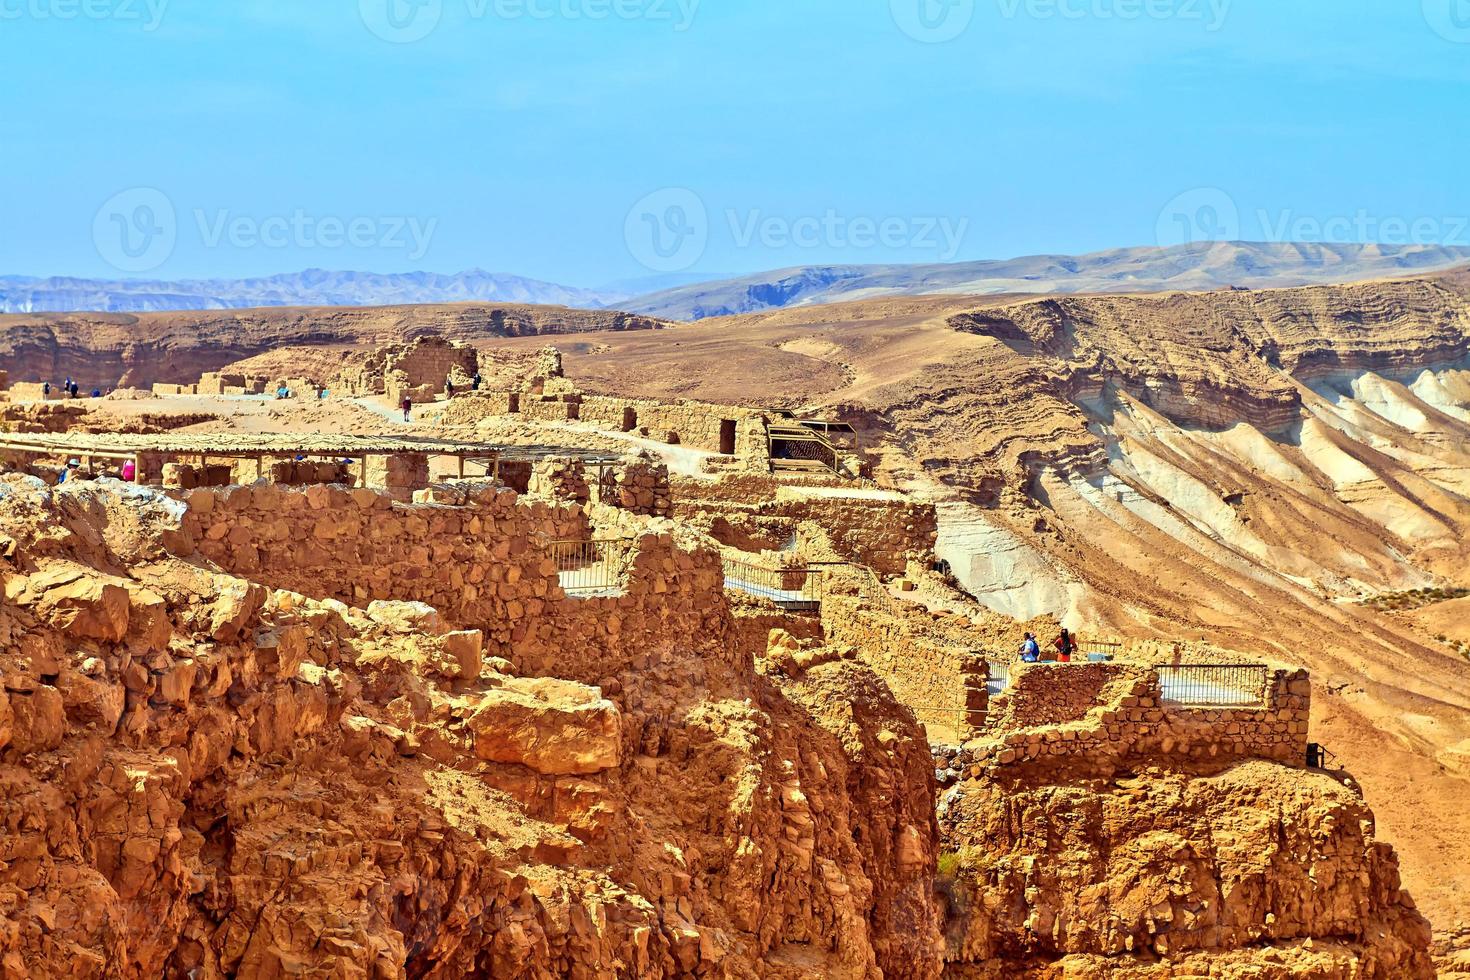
<point>1030,650</point>
<point>407,408</point>
<point>1065,646</point>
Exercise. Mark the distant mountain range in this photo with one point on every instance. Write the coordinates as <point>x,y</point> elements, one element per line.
<point>314,287</point>
<point>1197,267</point>
<point>1201,266</point>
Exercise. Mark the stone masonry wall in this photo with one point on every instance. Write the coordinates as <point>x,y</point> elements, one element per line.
<point>480,564</point>
<point>1133,724</point>
<point>882,532</point>
<point>927,676</point>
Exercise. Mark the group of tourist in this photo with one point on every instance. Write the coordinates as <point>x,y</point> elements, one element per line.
<point>1065,645</point>
<point>69,388</point>
<point>407,403</point>
<point>73,471</point>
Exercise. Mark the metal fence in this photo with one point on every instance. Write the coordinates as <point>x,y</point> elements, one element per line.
<point>1098,649</point>
<point>1215,686</point>
<point>1000,676</point>
<point>790,588</point>
<point>586,568</point>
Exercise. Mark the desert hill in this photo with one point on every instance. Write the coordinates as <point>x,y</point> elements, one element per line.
<point>1241,467</point>
<point>140,349</point>
<point>688,296</point>
<point>1198,266</point>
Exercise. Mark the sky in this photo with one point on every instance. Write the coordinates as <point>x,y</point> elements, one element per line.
<point>588,141</point>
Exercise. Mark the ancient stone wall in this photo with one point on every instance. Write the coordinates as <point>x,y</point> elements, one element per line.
<point>638,484</point>
<point>1038,717</point>
<point>418,369</point>
<point>696,424</point>
<point>29,392</point>
<point>482,564</point>
<point>927,675</point>
<point>881,530</point>
<point>42,418</point>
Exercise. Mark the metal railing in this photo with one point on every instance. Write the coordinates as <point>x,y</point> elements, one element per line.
<point>1000,676</point>
<point>588,568</point>
<point>790,588</point>
<point>1215,686</point>
<point>1097,648</point>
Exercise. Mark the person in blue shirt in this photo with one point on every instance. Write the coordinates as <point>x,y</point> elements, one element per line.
<point>1030,650</point>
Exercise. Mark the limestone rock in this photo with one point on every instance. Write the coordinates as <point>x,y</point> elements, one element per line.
<point>554,727</point>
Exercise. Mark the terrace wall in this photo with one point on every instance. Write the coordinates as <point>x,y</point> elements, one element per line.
<point>927,675</point>
<point>1130,723</point>
<point>483,565</point>
<point>881,532</point>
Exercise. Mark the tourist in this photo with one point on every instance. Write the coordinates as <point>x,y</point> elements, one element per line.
<point>46,390</point>
<point>283,391</point>
<point>449,387</point>
<point>1030,650</point>
<point>73,388</point>
<point>407,408</point>
<point>96,392</point>
<point>475,381</point>
<point>1064,646</point>
<point>71,466</point>
<point>129,471</point>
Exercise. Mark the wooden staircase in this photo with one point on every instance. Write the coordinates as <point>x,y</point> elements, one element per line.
<point>824,457</point>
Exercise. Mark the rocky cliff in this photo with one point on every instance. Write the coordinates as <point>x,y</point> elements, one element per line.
<point>138,350</point>
<point>207,777</point>
<point>1258,871</point>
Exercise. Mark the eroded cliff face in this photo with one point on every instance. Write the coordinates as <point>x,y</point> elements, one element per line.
<point>1258,871</point>
<point>208,777</point>
<point>103,349</point>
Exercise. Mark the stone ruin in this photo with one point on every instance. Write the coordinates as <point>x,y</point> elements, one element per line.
<point>418,370</point>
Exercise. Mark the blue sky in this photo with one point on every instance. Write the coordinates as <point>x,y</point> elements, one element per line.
<point>583,141</point>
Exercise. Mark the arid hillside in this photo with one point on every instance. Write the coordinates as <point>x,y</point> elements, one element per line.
<point>137,350</point>
<point>1245,468</point>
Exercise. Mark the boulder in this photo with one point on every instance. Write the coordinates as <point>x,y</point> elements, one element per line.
<point>557,728</point>
<point>406,617</point>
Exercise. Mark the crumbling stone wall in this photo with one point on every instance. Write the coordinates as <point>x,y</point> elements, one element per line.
<point>882,531</point>
<point>1036,698</point>
<point>926,674</point>
<point>1132,723</point>
<point>482,564</point>
<point>700,425</point>
<point>560,478</point>
<point>45,417</point>
<point>418,369</point>
<point>638,484</point>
